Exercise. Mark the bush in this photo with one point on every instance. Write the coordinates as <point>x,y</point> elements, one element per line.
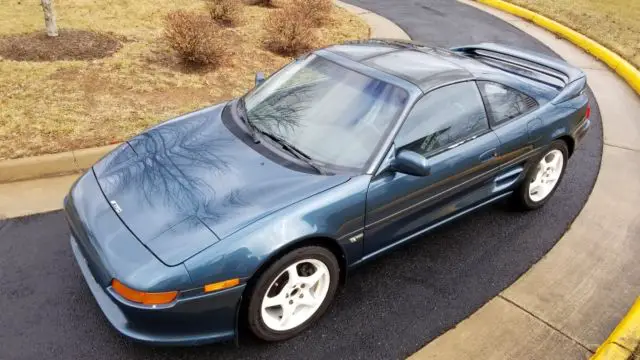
<point>288,32</point>
<point>225,12</point>
<point>317,12</point>
<point>194,37</point>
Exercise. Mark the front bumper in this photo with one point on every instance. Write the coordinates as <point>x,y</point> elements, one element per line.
<point>105,249</point>
<point>194,320</point>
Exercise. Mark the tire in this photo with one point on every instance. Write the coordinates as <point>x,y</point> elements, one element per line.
<point>526,197</point>
<point>274,291</point>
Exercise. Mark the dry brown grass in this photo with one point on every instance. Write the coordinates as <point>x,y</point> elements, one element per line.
<point>225,12</point>
<point>289,32</point>
<point>317,12</point>
<point>48,107</point>
<point>196,38</point>
<point>613,23</point>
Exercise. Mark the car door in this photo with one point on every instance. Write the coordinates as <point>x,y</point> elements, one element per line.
<point>511,117</point>
<point>449,127</point>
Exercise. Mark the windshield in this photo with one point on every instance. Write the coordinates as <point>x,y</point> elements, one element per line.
<point>334,115</point>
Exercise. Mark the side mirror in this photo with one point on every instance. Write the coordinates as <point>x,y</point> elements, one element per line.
<point>260,78</point>
<point>411,163</point>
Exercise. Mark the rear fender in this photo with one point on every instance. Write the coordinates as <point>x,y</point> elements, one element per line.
<point>563,119</point>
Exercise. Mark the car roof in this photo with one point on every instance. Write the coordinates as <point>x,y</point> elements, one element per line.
<point>424,66</point>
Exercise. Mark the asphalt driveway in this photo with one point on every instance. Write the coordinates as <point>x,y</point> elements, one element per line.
<point>388,309</point>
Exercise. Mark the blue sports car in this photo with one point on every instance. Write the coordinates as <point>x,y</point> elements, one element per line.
<point>250,213</point>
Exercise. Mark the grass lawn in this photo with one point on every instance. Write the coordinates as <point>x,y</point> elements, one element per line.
<point>49,107</point>
<point>613,23</point>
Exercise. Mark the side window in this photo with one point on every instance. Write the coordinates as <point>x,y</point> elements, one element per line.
<point>504,103</point>
<point>442,118</point>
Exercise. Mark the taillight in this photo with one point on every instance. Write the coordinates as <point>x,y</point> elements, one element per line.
<point>587,114</point>
<point>146,298</point>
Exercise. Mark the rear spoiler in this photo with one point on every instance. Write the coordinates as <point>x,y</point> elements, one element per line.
<point>573,78</point>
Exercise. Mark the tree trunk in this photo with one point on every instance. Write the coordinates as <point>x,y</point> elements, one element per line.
<point>49,17</point>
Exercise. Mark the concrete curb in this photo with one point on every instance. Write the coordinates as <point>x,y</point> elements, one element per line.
<point>51,164</point>
<point>622,67</point>
<point>380,26</point>
<point>43,166</point>
<point>624,340</point>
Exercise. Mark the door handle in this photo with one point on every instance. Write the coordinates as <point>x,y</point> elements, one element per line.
<point>488,155</point>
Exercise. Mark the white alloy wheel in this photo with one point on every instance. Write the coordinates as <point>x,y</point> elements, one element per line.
<point>295,295</point>
<point>547,175</point>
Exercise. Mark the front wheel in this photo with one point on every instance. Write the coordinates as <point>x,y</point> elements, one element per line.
<point>543,178</point>
<point>292,293</point>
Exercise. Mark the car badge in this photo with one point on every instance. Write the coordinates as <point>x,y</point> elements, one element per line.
<point>355,239</point>
<point>116,207</point>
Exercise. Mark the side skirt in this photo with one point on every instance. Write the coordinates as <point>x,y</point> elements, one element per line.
<point>387,248</point>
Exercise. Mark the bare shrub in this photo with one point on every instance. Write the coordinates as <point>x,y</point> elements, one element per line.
<point>265,3</point>
<point>317,12</point>
<point>225,12</point>
<point>288,32</point>
<point>194,37</point>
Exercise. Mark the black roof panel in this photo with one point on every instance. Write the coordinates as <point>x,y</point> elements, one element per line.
<point>426,70</point>
<point>429,67</point>
<point>424,66</point>
<point>360,52</point>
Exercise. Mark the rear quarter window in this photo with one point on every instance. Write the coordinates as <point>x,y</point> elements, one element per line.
<point>504,103</point>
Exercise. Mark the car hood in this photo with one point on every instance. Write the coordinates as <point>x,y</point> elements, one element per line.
<point>189,182</point>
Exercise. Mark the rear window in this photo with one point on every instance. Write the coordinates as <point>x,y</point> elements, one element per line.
<point>504,103</point>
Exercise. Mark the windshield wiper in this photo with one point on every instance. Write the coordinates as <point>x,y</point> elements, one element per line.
<point>242,112</point>
<point>254,130</point>
<point>295,151</point>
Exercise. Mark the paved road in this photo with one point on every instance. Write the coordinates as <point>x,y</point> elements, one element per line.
<point>388,309</point>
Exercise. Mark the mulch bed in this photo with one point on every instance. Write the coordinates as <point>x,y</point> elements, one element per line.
<point>69,45</point>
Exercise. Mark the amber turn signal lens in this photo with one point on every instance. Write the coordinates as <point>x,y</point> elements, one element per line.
<point>147,298</point>
<point>221,285</point>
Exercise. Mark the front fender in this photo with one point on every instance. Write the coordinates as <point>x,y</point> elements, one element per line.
<point>337,213</point>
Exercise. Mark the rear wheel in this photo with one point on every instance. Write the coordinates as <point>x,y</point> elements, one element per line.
<point>543,178</point>
<point>292,293</point>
